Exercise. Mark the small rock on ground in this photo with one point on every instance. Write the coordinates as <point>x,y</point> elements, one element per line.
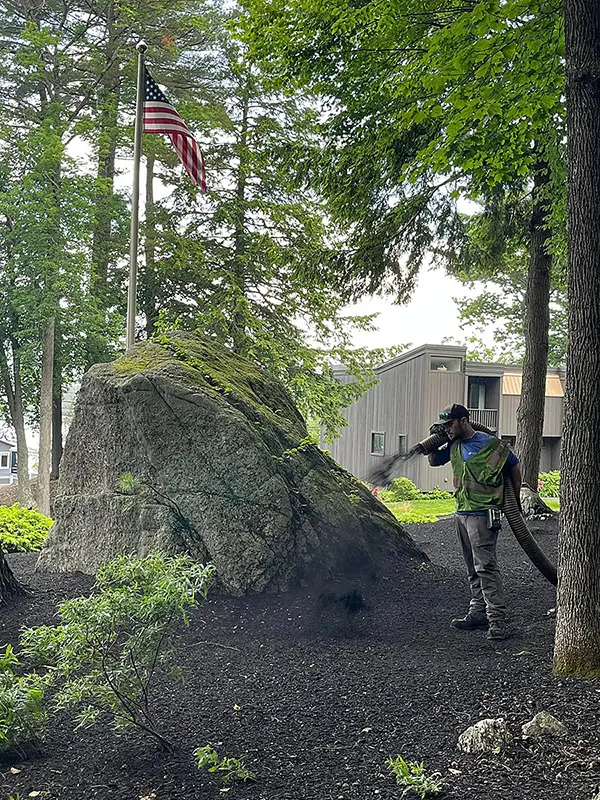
<point>486,736</point>
<point>543,724</point>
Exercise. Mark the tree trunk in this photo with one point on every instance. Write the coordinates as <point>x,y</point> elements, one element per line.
<point>14,395</point>
<point>577,643</point>
<point>530,413</point>
<point>57,445</point>
<point>45,454</point>
<point>148,277</point>
<point>25,493</point>
<point>102,233</point>
<point>57,387</point>
<point>9,585</point>
<point>107,149</point>
<point>238,329</point>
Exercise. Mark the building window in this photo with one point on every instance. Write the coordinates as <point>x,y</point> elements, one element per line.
<point>402,444</point>
<point>377,444</point>
<point>442,364</point>
<point>4,460</point>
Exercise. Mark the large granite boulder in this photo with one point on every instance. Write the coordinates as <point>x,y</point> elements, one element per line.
<point>183,446</point>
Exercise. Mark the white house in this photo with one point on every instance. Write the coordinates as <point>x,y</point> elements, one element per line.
<point>8,463</point>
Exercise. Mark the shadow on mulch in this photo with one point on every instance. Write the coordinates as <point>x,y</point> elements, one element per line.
<point>315,691</point>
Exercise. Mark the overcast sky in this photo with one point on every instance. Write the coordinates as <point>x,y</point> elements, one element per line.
<point>430,316</point>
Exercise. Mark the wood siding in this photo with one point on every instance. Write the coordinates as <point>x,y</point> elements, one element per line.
<point>553,412</point>
<point>442,389</point>
<point>383,409</point>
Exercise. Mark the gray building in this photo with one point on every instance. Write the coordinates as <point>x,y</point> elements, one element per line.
<point>8,463</point>
<point>414,387</point>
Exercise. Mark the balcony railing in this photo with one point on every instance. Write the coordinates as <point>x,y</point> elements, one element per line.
<point>485,416</point>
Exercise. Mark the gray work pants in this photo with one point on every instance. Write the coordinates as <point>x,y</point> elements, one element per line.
<point>478,545</point>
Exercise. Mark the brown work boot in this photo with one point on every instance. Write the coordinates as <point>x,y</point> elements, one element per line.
<point>497,630</point>
<point>472,622</point>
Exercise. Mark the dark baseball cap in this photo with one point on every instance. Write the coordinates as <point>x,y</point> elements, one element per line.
<point>455,411</point>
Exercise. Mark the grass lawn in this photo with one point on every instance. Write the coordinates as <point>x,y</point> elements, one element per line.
<point>431,510</point>
<point>421,510</point>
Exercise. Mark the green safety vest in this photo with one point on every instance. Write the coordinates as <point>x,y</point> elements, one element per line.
<point>478,482</point>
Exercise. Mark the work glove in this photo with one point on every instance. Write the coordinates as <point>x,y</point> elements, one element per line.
<point>438,428</point>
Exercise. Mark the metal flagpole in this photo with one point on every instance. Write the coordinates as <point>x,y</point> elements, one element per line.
<point>141,48</point>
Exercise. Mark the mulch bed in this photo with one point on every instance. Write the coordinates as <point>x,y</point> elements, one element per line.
<point>314,698</point>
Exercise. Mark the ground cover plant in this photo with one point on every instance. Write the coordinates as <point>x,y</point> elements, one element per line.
<point>22,715</point>
<point>229,769</point>
<point>412,777</point>
<point>102,660</point>
<point>22,529</point>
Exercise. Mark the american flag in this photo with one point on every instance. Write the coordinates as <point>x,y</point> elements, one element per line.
<point>161,117</point>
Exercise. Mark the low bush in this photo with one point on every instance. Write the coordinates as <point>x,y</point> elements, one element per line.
<point>102,660</point>
<point>412,776</point>
<point>402,489</point>
<point>22,716</point>
<point>230,769</point>
<point>437,494</point>
<point>549,484</point>
<point>21,529</point>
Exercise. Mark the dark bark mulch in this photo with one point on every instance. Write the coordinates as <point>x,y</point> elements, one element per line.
<point>314,694</point>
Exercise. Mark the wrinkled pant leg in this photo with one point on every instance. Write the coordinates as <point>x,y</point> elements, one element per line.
<point>477,605</point>
<point>483,544</point>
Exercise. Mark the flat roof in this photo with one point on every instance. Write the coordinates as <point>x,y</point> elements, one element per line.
<point>476,368</point>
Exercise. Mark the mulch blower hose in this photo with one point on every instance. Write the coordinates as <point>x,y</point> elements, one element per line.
<point>512,511</point>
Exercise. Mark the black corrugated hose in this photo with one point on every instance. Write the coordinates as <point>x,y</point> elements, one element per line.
<point>511,507</point>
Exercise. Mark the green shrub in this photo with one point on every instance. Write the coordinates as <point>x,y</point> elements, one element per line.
<point>403,489</point>
<point>22,717</point>
<point>412,776</point>
<point>21,529</point>
<point>102,660</point>
<point>437,494</point>
<point>549,484</point>
<point>230,769</point>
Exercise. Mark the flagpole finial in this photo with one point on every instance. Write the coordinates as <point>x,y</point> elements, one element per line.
<point>141,46</point>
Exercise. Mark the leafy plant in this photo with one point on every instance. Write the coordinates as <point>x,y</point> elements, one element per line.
<point>412,776</point>
<point>231,769</point>
<point>22,529</point>
<point>437,494</point>
<point>128,483</point>
<point>549,484</point>
<point>403,489</point>
<point>22,717</point>
<point>102,660</point>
